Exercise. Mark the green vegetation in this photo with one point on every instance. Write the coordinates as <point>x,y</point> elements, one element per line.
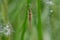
<point>29,19</point>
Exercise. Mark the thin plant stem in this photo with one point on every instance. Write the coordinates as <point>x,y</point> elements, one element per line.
<point>0,38</point>
<point>4,6</point>
<point>39,26</point>
<point>25,22</point>
<point>24,26</point>
<point>4,11</point>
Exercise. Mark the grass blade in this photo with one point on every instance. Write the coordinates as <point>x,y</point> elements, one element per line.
<point>39,26</point>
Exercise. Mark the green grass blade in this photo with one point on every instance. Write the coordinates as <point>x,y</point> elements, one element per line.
<point>39,26</point>
<point>4,7</point>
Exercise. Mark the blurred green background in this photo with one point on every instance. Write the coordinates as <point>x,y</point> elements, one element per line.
<point>44,23</point>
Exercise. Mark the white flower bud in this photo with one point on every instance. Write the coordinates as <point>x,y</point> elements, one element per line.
<point>8,30</point>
